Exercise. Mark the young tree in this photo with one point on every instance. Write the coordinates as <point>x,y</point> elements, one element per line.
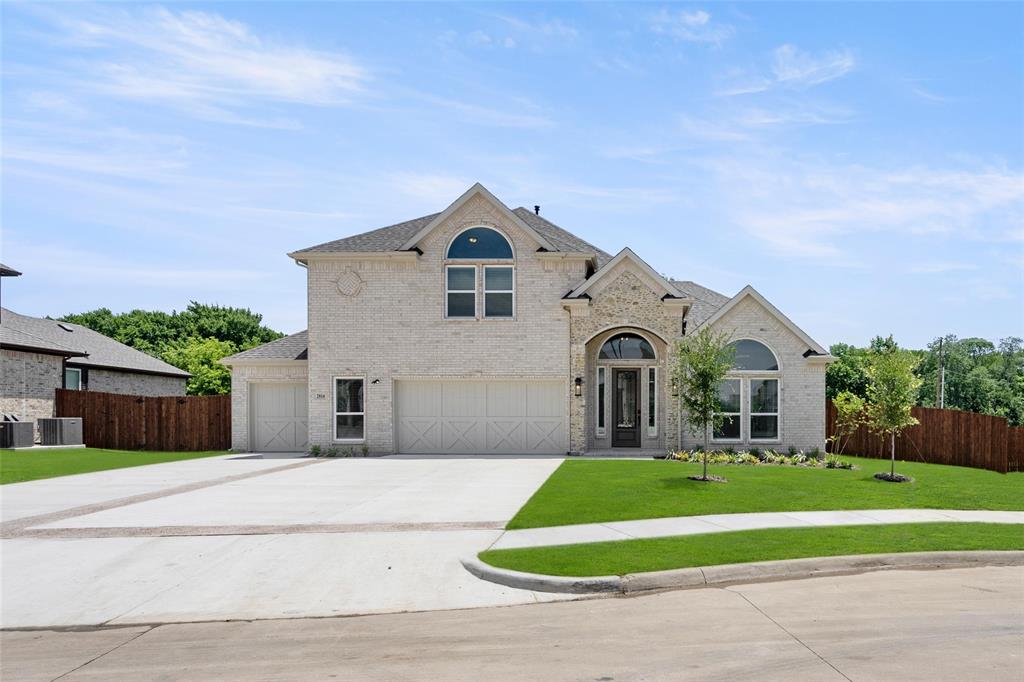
<point>892,391</point>
<point>702,361</point>
<point>849,417</point>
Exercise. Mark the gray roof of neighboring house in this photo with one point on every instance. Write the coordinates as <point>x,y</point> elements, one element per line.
<point>394,237</point>
<point>294,347</point>
<point>705,301</point>
<point>7,271</point>
<point>99,350</point>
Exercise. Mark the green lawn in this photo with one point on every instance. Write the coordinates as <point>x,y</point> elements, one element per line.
<point>589,491</point>
<point>30,465</point>
<point>658,554</point>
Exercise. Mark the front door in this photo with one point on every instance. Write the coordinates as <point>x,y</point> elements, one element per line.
<point>626,413</point>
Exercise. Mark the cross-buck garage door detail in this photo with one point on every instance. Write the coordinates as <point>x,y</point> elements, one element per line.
<point>481,417</point>
<point>279,417</point>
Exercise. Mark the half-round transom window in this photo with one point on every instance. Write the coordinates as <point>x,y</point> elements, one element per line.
<point>754,356</point>
<point>480,243</point>
<point>627,347</point>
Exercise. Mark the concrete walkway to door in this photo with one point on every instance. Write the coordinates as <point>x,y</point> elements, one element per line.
<point>240,538</point>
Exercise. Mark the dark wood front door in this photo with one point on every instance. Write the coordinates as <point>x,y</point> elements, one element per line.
<point>626,408</point>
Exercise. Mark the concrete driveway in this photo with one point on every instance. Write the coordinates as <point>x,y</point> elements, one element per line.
<point>243,538</point>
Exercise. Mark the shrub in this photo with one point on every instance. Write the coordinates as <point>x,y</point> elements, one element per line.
<point>756,452</point>
<point>365,450</point>
<point>792,451</point>
<point>835,462</point>
<point>816,454</point>
<point>314,451</point>
<point>331,451</point>
<point>730,451</point>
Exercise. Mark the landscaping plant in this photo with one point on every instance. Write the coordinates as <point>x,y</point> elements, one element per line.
<point>701,362</point>
<point>850,415</point>
<point>892,392</point>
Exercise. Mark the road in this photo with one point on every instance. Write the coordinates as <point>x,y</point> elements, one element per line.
<point>965,624</point>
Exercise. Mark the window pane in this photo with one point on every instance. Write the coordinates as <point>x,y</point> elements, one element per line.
<point>72,379</point>
<point>498,305</point>
<point>498,279</point>
<point>753,355</point>
<point>764,427</point>
<point>729,396</point>
<point>480,243</point>
<point>349,394</point>
<point>651,396</point>
<point>462,279</point>
<point>349,426</point>
<point>600,397</point>
<point>764,395</point>
<point>627,347</point>
<point>462,305</point>
<point>730,428</point>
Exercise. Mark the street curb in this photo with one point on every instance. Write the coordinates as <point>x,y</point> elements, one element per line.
<point>734,574</point>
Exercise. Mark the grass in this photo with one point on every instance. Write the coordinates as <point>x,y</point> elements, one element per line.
<point>30,465</point>
<point>659,554</point>
<point>591,491</point>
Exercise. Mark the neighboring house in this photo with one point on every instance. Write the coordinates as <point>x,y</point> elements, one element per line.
<point>38,355</point>
<point>483,329</point>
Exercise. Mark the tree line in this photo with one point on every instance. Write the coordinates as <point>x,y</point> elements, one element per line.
<point>980,376</point>
<point>194,339</point>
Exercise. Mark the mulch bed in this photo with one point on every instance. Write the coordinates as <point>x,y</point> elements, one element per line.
<point>893,478</point>
<point>710,479</point>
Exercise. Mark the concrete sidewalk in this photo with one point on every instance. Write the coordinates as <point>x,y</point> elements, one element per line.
<point>719,523</point>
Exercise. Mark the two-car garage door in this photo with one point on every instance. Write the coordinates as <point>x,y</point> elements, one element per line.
<point>481,416</point>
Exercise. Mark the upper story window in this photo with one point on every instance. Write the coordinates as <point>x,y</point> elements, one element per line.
<point>484,291</point>
<point>627,347</point>
<point>480,243</point>
<point>754,356</point>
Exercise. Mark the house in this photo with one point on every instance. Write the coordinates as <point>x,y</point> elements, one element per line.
<point>39,355</point>
<point>483,329</point>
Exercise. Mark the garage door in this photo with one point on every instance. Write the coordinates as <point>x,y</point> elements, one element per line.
<point>481,417</point>
<point>278,415</point>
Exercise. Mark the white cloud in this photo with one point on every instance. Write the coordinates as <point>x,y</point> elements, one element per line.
<point>940,267</point>
<point>510,117</point>
<point>202,62</point>
<point>791,68</point>
<point>691,26</point>
<point>930,96</point>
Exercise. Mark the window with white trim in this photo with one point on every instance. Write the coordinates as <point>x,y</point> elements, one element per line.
<point>460,291</point>
<point>764,409</point>
<point>601,400</point>
<point>652,401</point>
<point>729,405</point>
<point>73,378</point>
<point>349,410</point>
<point>499,291</point>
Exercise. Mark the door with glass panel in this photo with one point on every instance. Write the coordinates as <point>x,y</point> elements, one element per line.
<point>626,408</point>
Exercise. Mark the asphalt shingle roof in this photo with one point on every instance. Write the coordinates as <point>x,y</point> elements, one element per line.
<point>8,271</point>
<point>705,301</point>
<point>102,351</point>
<point>294,347</point>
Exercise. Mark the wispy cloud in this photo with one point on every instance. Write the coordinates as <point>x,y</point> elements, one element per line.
<point>694,26</point>
<point>793,68</point>
<point>940,267</point>
<point>201,62</point>
<point>478,114</point>
<point>930,96</point>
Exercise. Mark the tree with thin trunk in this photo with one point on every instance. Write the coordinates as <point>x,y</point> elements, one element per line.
<point>892,392</point>
<point>701,362</point>
<point>850,415</point>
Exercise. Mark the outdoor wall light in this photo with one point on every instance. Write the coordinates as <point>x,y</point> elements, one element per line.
<point>675,388</point>
<point>579,387</point>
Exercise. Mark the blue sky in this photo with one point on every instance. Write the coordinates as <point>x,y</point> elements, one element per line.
<point>862,165</point>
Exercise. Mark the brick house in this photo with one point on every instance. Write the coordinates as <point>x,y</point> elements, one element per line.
<point>39,355</point>
<point>483,329</point>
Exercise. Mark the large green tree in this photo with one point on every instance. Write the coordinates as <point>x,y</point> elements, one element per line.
<point>194,339</point>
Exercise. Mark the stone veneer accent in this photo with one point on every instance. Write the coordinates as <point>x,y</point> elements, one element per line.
<point>27,382</point>
<point>395,327</point>
<point>133,383</point>
<point>622,300</point>
<point>241,375</point>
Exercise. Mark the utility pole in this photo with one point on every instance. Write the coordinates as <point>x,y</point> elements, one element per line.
<point>940,380</point>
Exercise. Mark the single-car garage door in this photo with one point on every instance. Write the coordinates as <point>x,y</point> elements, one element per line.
<point>278,415</point>
<point>481,417</point>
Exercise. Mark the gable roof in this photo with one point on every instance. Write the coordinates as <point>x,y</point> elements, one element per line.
<point>294,347</point>
<point>750,292</point>
<point>87,347</point>
<point>626,255</point>
<point>7,271</point>
<point>405,235</point>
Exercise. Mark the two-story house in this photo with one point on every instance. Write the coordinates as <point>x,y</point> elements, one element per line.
<point>483,329</point>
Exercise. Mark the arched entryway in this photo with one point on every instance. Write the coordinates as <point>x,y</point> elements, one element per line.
<point>626,401</point>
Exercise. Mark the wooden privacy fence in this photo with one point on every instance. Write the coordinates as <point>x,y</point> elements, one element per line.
<point>943,437</point>
<point>132,422</point>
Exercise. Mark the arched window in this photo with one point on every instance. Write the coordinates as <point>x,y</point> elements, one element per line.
<point>754,356</point>
<point>627,347</point>
<point>480,243</point>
